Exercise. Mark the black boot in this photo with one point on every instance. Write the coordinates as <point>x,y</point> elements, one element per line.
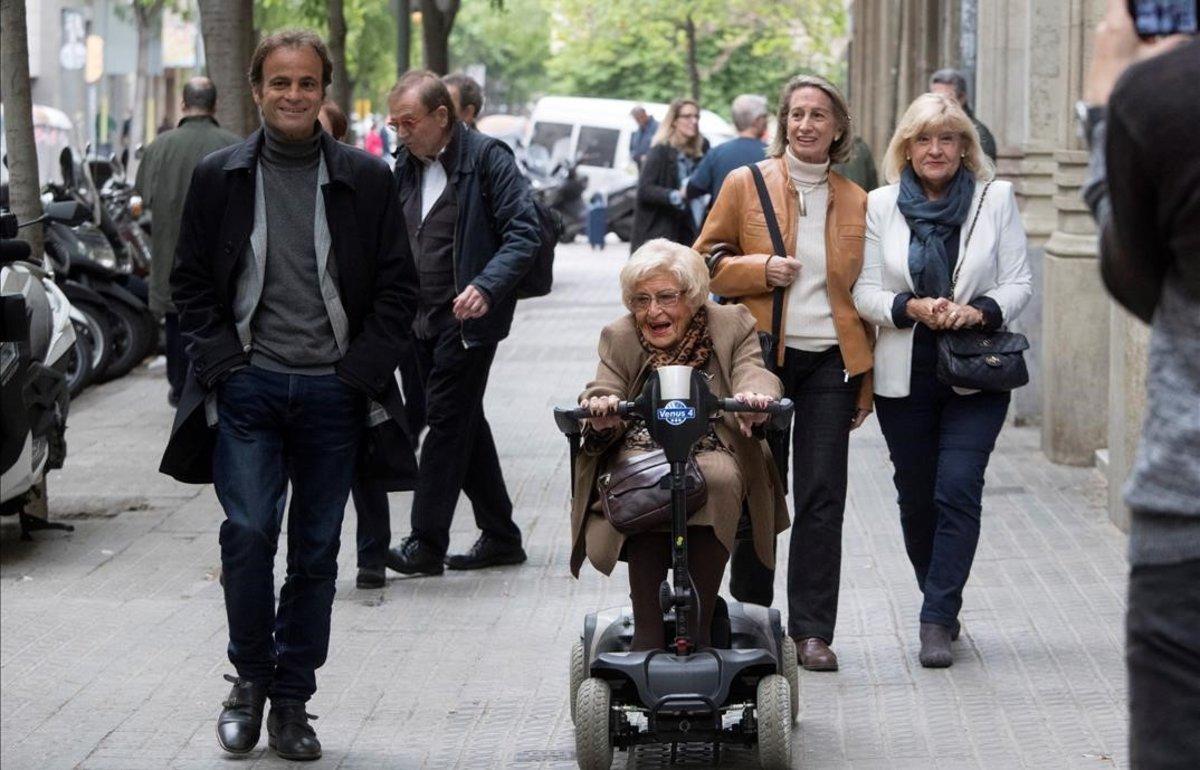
<point>412,557</point>
<point>240,723</point>
<point>371,577</point>
<point>935,646</point>
<point>290,735</point>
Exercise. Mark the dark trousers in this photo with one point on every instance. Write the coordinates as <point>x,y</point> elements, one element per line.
<point>414,390</point>
<point>1162,657</point>
<point>275,429</point>
<point>824,397</point>
<point>177,360</point>
<point>649,556</point>
<point>458,454</point>
<point>374,532</point>
<point>940,443</point>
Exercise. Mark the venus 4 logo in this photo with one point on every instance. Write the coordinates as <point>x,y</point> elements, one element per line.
<point>675,413</point>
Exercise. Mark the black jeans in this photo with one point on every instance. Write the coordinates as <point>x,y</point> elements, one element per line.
<point>1162,656</point>
<point>940,443</point>
<point>459,454</point>
<point>414,390</point>
<point>825,397</point>
<point>274,429</point>
<point>374,532</point>
<point>177,360</point>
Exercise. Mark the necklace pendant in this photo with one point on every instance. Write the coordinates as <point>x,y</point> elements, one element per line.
<point>803,205</point>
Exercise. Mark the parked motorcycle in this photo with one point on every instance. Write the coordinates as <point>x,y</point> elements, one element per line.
<point>560,188</point>
<point>38,349</point>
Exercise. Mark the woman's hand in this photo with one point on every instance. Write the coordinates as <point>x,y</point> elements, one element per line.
<point>604,408</point>
<point>923,310</point>
<point>781,271</point>
<point>747,420</point>
<point>954,316</point>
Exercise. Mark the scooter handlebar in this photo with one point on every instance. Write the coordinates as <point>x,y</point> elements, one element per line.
<point>780,411</point>
<point>568,419</point>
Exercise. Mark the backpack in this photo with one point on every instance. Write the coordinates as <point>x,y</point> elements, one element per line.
<point>537,282</point>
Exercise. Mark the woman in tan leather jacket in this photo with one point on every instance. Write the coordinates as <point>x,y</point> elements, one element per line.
<point>665,286</point>
<point>824,350</point>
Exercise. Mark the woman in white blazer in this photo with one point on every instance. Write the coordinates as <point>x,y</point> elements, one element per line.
<point>945,249</point>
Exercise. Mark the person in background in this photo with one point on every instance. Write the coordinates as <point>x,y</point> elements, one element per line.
<point>951,83</point>
<point>945,250</point>
<point>642,138</point>
<point>333,120</point>
<point>371,141</point>
<point>662,211</point>
<point>597,221</point>
<point>162,179</point>
<point>750,116</point>
<point>860,169</point>
<point>1139,114</point>
<point>467,97</point>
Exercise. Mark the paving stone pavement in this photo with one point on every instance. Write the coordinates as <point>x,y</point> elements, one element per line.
<point>113,636</point>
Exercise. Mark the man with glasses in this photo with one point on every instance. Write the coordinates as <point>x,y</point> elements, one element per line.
<point>474,231</point>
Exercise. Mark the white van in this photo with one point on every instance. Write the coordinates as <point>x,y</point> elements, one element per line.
<point>596,133</point>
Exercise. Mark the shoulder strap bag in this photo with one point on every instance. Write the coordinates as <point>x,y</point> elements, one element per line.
<point>980,360</point>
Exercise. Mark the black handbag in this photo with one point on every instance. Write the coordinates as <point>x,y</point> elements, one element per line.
<point>992,361</point>
<point>780,441</point>
<point>633,498</point>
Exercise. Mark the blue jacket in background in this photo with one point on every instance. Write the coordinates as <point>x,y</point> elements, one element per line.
<point>720,161</point>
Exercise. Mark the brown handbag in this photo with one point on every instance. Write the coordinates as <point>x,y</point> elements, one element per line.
<point>634,502</point>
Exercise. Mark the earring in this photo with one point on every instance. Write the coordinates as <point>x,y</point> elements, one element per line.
<point>908,157</point>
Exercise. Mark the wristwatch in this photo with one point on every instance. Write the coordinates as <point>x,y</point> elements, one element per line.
<point>1087,116</point>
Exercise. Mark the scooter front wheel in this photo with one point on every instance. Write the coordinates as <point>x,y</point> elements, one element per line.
<point>791,672</point>
<point>593,725</point>
<point>578,673</point>
<point>774,712</point>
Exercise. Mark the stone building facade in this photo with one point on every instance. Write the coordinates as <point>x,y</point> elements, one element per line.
<point>1025,62</point>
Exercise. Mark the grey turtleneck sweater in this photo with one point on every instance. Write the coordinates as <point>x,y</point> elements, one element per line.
<point>291,331</point>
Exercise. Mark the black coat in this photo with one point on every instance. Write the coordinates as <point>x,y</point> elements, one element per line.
<point>377,284</point>
<point>497,232</point>
<point>655,215</point>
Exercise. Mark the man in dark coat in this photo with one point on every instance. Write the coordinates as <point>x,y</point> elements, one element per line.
<point>293,281</point>
<point>162,180</point>
<point>474,233</point>
<point>950,82</point>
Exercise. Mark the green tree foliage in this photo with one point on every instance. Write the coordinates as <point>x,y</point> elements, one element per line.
<point>639,49</point>
<point>512,41</point>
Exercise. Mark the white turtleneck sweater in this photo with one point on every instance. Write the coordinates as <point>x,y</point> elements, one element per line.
<point>809,324</point>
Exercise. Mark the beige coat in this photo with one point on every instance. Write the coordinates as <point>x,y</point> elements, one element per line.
<point>736,367</point>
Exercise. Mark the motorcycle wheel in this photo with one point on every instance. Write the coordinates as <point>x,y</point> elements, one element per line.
<point>101,337</point>
<point>79,361</point>
<point>129,334</point>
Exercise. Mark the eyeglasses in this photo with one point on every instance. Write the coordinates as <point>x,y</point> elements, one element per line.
<point>688,116</point>
<point>664,299</point>
<point>407,122</point>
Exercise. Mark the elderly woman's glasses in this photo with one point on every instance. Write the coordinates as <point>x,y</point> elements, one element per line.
<point>663,299</point>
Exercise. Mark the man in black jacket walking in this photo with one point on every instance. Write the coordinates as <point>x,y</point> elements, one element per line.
<point>474,231</point>
<point>293,281</point>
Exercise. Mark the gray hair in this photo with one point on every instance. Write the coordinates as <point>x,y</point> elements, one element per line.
<point>951,77</point>
<point>748,108</point>
<point>663,257</point>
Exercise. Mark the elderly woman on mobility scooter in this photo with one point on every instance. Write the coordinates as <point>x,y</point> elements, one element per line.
<point>670,322</point>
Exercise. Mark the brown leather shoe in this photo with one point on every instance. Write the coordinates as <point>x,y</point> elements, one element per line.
<point>814,654</point>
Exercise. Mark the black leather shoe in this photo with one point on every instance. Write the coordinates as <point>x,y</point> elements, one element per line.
<point>290,735</point>
<point>487,552</point>
<point>371,577</point>
<point>240,723</point>
<point>412,557</point>
<point>935,646</point>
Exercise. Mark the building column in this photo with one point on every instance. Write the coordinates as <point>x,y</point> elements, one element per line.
<point>1075,326</point>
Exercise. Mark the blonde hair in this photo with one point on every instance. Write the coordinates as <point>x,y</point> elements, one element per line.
<point>666,133</point>
<point>839,151</point>
<point>663,257</point>
<point>931,113</point>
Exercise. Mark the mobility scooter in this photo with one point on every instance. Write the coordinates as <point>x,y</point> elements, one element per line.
<point>741,691</point>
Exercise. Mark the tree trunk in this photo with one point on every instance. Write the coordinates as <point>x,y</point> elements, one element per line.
<point>342,90</point>
<point>228,30</point>
<point>437,19</point>
<point>403,36</point>
<point>689,29</point>
<point>18,121</point>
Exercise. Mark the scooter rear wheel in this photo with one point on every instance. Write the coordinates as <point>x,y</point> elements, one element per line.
<point>774,712</point>
<point>593,725</point>
<point>578,673</point>
<point>791,672</point>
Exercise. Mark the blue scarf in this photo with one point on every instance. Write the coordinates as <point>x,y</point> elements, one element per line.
<point>932,222</point>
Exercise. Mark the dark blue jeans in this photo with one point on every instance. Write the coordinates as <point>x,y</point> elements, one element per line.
<point>940,443</point>
<point>274,429</point>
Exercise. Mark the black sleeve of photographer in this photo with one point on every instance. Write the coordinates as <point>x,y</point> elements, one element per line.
<point>1133,255</point>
